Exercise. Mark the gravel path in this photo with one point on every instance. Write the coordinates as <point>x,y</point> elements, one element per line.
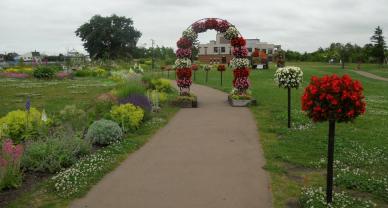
<point>206,157</point>
<point>370,75</point>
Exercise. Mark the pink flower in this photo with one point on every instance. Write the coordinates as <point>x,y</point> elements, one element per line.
<point>14,151</point>
<point>3,162</point>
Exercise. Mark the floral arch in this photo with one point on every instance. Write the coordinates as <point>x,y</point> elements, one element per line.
<point>240,63</point>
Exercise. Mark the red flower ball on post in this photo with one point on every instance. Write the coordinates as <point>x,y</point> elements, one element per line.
<point>221,68</point>
<point>333,99</point>
<point>339,99</point>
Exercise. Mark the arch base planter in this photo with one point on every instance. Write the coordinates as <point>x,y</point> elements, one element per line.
<point>240,103</point>
<point>185,102</point>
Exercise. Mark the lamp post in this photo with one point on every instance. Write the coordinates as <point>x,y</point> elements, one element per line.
<point>153,54</point>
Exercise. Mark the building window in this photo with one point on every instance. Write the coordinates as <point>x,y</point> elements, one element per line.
<point>222,49</point>
<point>205,50</point>
<point>249,49</point>
<point>269,51</point>
<point>215,49</point>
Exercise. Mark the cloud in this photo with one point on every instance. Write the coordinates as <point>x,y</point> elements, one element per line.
<point>304,25</point>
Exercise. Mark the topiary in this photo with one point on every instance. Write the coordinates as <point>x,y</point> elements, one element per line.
<point>104,132</point>
<point>44,72</point>
<point>128,116</point>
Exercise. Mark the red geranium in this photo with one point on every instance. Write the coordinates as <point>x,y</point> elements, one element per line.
<point>238,42</point>
<point>342,98</point>
<point>256,53</point>
<point>194,67</point>
<point>221,68</point>
<point>183,73</point>
<point>222,26</point>
<point>184,43</point>
<point>199,27</point>
<point>211,23</point>
<point>243,72</point>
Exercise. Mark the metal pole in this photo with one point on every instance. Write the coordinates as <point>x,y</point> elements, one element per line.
<point>330,161</point>
<point>153,54</point>
<point>289,107</point>
<point>221,78</point>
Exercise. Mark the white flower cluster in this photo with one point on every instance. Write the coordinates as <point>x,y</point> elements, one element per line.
<point>239,62</point>
<point>231,33</point>
<point>182,63</point>
<point>289,77</point>
<point>190,34</point>
<point>72,181</point>
<point>316,197</point>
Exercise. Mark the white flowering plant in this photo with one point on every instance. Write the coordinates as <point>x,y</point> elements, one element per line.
<point>231,33</point>
<point>239,63</point>
<point>315,197</point>
<point>289,77</point>
<point>182,63</point>
<point>190,34</point>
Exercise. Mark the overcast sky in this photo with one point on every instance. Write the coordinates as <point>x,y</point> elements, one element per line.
<point>303,25</point>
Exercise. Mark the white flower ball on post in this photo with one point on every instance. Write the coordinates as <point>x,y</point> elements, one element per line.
<point>289,77</point>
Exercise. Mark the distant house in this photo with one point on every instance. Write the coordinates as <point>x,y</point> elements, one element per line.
<point>31,57</point>
<point>219,51</point>
<point>75,57</point>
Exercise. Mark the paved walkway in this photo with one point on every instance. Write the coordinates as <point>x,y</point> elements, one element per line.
<point>208,157</point>
<point>370,75</point>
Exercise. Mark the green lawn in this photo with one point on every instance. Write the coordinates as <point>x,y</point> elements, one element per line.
<point>50,95</point>
<point>296,157</point>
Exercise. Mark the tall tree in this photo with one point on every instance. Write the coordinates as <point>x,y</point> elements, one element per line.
<point>109,37</point>
<point>379,45</point>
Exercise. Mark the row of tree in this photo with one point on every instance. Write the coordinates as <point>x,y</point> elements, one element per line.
<point>115,37</point>
<point>374,52</point>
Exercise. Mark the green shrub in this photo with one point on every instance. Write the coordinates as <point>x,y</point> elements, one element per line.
<point>129,88</point>
<point>162,85</point>
<point>128,116</point>
<point>71,115</point>
<point>104,132</point>
<point>85,73</point>
<point>53,154</point>
<point>19,125</point>
<point>44,72</point>
<point>91,72</point>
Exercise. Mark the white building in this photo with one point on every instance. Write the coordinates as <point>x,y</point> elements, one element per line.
<point>220,50</point>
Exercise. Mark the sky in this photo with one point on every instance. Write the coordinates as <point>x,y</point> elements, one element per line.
<point>304,25</point>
